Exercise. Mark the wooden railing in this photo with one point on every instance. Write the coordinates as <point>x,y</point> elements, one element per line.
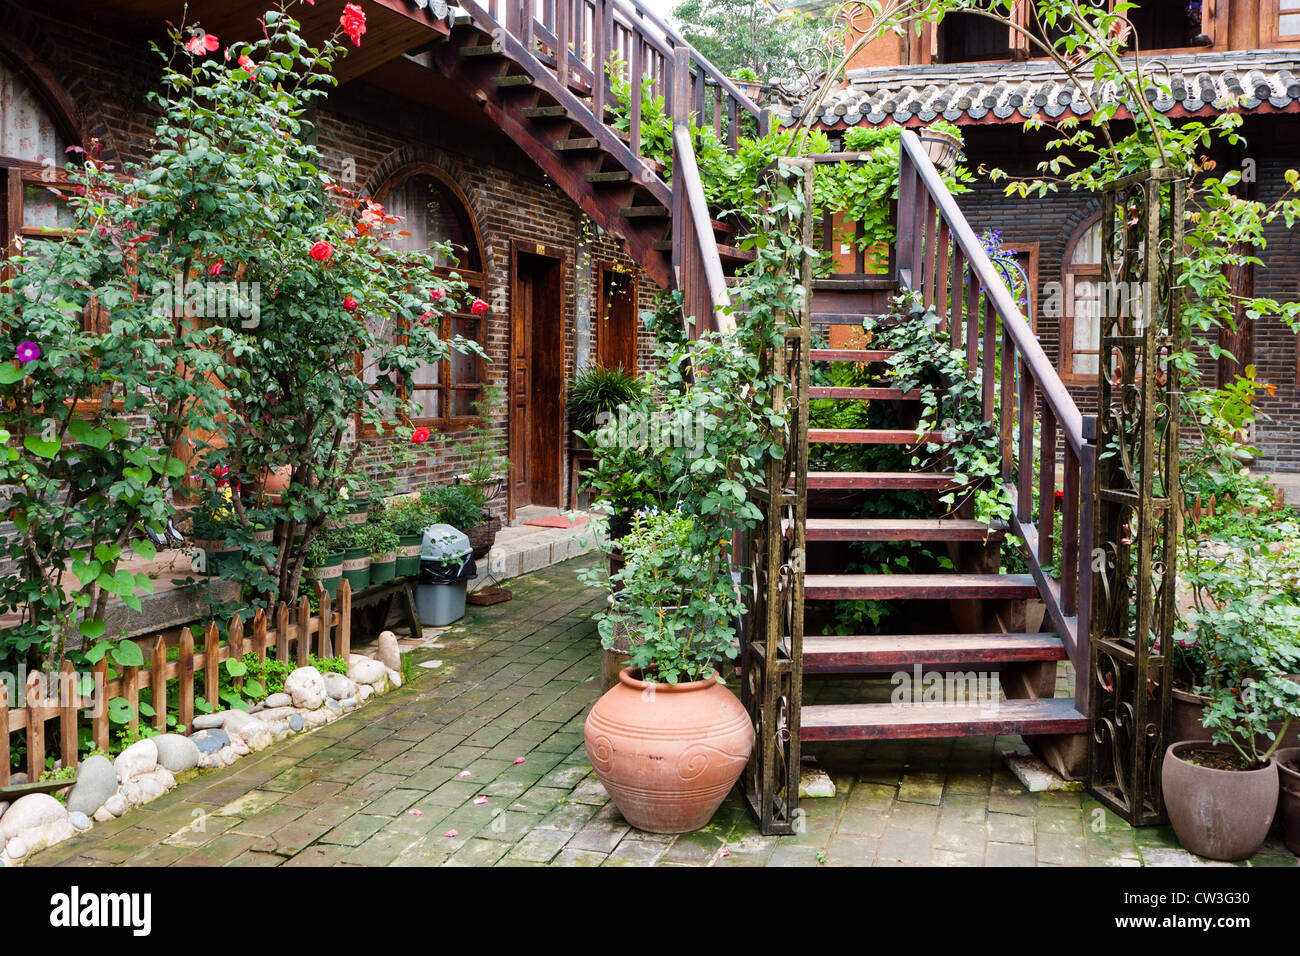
<point>1042,433</point>
<point>596,33</point>
<point>327,631</point>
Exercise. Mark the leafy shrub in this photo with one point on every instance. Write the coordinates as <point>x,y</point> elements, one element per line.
<point>460,506</point>
<point>597,390</point>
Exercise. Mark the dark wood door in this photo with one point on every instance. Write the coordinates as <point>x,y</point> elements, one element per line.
<point>617,319</point>
<point>536,380</point>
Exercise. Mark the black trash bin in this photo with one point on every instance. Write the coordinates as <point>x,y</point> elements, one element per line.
<point>446,568</point>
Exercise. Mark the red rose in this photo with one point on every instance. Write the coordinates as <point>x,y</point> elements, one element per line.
<point>353,22</point>
<point>246,63</point>
<point>478,307</point>
<point>420,436</point>
<point>321,251</point>
<point>437,294</point>
<point>350,304</point>
<point>425,317</point>
<point>202,44</point>
<point>215,268</point>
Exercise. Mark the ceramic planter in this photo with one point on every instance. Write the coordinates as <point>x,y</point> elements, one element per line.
<point>356,567</point>
<point>329,574</point>
<point>383,567</point>
<point>221,558</point>
<point>668,754</point>
<point>1185,722</point>
<point>1220,814</point>
<point>1288,802</point>
<point>408,555</point>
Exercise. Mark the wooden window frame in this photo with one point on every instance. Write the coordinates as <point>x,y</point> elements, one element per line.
<point>1214,26</point>
<point>1065,327</point>
<point>1270,25</point>
<point>477,282</point>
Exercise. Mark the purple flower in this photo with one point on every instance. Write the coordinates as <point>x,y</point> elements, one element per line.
<point>27,352</point>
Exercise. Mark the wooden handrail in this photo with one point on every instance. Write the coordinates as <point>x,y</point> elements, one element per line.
<point>940,258</point>
<point>686,182</point>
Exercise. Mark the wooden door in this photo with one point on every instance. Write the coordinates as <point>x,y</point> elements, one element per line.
<point>536,379</point>
<point>616,319</point>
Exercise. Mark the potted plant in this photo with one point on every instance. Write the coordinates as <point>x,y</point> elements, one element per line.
<point>487,471</point>
<point>462,507</point>
<point>211,526</point>
<point>323,562</point>
<point>356,555</point>
<point>1221,795</point>
<point>408,519</point>
<point>1288,803</point>
<point>383,542</point>
<point>595,395</point>
<point>620,479</point>
<point>668,767</point>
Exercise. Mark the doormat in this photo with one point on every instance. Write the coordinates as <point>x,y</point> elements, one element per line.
<point>486,597</point>
<point>556,521</point>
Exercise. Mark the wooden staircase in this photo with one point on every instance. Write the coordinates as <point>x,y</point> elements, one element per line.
<point>967,620</point>
<point>993,647</point>
<point>540,70</point>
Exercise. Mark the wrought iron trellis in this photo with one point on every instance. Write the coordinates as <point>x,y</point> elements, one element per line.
<point>772,648</point>
<point>1136,492</point>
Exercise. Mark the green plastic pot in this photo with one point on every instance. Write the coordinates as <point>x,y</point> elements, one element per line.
<point>358,511</point>
<point>356,567</point>
<point>408,554</point>
<point>383,567</point>
<point>329,574</point>
<point>222,559</point>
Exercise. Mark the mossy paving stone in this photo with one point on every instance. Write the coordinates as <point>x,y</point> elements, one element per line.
<point>1009,854</point>
<point>322,854</point>
<point>1156,837</point>
<point>157,855</point>
<point>430,778</point>
<point>538,799</point>
<point>697,847</point>
<point>373,785</point>
<point>311,794</point>
<point>539,846</point>
<point>600,835</point>
<point>334,812</point>
<point>293,838</point>
<point>561,743</point>
<point>355,830</point>
<point>365,738</point>
<point>217,852</point>
<point>460,757</point>
<point>256,858</point>
<point>1010,828</point>
<point>590,791</point>
<point>406,764</point>
<point>961,837</point>
<point>386,749</point>
<point>568,857</point>
<point>351,770</point>
<point>395,801</point>
<point>453,793</point>
<point>632,852</point>
<point>478,852</point>
<point>268,822</point>
<point>294,779</point>
<point>845,850</point>
<point>1060,848</point>
<point>331,756</point>
<point>381,849</point>
<point>569,816</point>
<point>168,821</point>
<point>437,744</point>
<point>863,822</point>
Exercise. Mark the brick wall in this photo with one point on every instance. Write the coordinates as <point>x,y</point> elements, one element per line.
<point>371,135</point>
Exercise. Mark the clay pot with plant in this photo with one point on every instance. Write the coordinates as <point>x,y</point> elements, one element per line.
<point>669,740</point>
<point>1221,795</point>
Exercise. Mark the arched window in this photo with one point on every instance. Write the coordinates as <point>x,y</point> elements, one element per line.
<point>1082,312</point>
<point>33,145</point>
<point>434,210</point>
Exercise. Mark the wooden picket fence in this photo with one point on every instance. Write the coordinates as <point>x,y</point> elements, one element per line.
<point>293,628</point>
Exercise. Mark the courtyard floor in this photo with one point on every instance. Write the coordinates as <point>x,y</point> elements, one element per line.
<point>383,785</point>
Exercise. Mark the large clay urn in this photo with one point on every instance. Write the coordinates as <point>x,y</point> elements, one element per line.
<point>668,753</point>
<point>1220,814</point>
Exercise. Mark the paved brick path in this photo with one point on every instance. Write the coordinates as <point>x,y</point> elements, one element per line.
<point>516,681</point>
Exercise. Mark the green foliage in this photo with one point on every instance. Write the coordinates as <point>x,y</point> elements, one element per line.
<point>597,390</point>
<point>1243,633</point>
<point>410,516</point>
<point>746,39</point>
<point>380,538</point>
<point>460,506</point>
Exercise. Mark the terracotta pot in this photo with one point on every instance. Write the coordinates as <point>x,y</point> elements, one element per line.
<point>1220,814</point>
<point>668,753</point>
<point>1288,801</point>
<point>275,481</point>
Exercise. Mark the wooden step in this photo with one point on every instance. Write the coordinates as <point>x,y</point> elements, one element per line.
<point>544,112</point>
<point>864,393</point>
<point>850,355</point>
<point>512,80</point>
<point>610,176</point>
<point>936,587</point>
<point>582,144</point>
<point>880,481</point>
<point>893,721</point>
<point>481,50</point>
<point>900,529</point>
<point>874,436</point>
<point>644,212</point>
<point>831,654</point>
